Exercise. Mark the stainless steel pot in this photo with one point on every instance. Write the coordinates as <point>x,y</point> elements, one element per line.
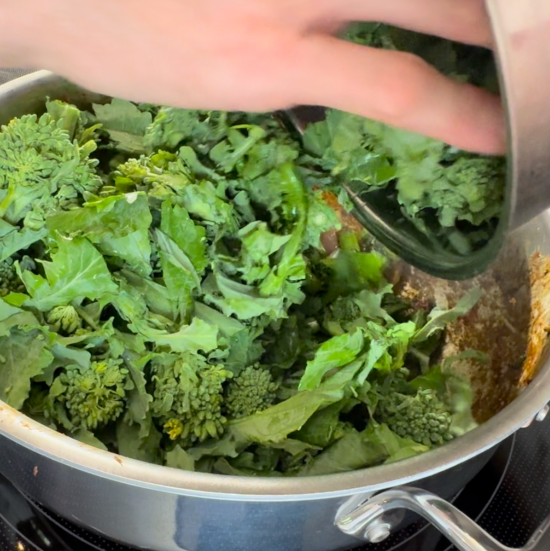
<point>166,509</point>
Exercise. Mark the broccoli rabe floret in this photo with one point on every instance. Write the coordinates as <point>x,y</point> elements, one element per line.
<point>188,397</point>
<point>161,174</point>
<point>9,280</point>
<point>64,318</point>
<point>251,391</point>
<point>91,397</point>
<point>41,169</point>
<point>422,417</point>
<point>344,309</point>
<point>475,191</point>
<point>340,314</point>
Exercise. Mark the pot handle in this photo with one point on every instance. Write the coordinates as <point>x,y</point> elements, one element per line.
<point>463,532</point>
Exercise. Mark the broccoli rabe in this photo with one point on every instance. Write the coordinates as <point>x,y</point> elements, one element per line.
<point>344,309</point>
<point>90,396</point>
<point>162,174</point>
<point>9,279</point>
<point>188,397</point>
<point>185,303</point>
<point>64,318</point>
<point>251,391</point>
<point>41,169</point>
<point>10,282</point>
<point>472,190</point>
<point>423,417</point>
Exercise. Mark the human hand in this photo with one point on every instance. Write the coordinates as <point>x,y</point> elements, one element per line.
<point>262,55</point>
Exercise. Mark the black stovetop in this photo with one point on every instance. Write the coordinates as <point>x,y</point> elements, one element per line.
<point>510,498</point>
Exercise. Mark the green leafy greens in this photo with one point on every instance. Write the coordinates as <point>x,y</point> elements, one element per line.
<point>449,195</point>
<point>164,294</point>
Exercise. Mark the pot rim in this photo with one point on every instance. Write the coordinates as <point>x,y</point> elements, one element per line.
<point>47,442</point>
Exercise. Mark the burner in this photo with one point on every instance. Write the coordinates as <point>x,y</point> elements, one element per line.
<point>85,540</point>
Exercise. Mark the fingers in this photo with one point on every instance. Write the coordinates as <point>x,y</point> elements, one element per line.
<point>401,90</point>
<point>460,20</point>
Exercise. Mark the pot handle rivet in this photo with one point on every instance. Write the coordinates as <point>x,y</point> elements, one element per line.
<point>378,532</point>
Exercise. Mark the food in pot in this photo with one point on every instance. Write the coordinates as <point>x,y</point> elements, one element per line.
<point>166,295</point>
<point>452,196</point>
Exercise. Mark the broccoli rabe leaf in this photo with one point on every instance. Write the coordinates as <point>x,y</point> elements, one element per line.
<point>104,218</point>
<point>277,422</point>
<point>178,458</point>
<point>196,336</point>
<point>134,249</point>
<point>174,255</point>
<point>332,354</point>
<point>117,225</point>
<point>138,400</point>
<point>323,427</point>
<point>352,451</point>
<point>77,270</point>
<point>291,264</point>
<point>344,147</point>
<point>66,115</point>
<point>171,126</point>
<point>11,316</point>
<point>395,447</point>
<point>131,444</point>
<point>370,304</point>
<point>137,294</point>
<point>23,355</point>
<point>203,202</point>
<point>240,140</point>
<point>258,245</point>
<point>190,237</point>
<point>226,325</point>
<point>244,301</point>
<point>125,123</point>
<point>354,271</point>
<point>13,239</point>
<point>377,444</point>
<point>229,445</point>
<point>441,315</point>
<point>244,350</point>
<point>387,347</point>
